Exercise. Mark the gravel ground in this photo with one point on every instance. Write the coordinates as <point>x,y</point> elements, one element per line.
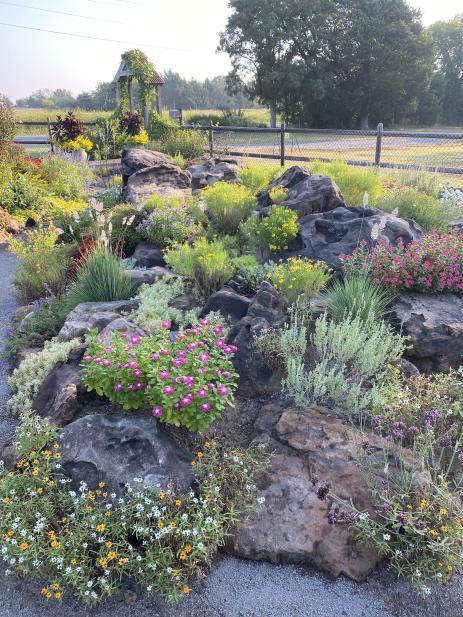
<point>234,588</point>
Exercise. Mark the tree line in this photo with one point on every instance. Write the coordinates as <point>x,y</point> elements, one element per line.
<point>176,92</point>
<point>346,63</point>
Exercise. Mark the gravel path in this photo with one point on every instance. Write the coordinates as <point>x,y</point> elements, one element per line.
<point>234,588</point>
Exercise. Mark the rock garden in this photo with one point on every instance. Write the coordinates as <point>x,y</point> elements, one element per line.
<point>225,355</point>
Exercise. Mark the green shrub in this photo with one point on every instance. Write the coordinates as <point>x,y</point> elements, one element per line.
<point>207,264</point>
<point>352,359</point>
<point>357,295</point>
<point>299,277</point>
<point>41,325</point>
<point>427,211</point>
<point>422,181</point>
<point>108,140</point>
<point>160,128</point>
<point>188,144</point>
<point>274,232</point>
<point>66,178</point>
<point>101,279</point>
<point>125,220</point>
<point>227,117</point>
<point>26,380</point>
<point>167,222</point>
<point>24,197</point>
<point>155,305</point>
<point>256,177</point>
<point>43,265</point>
<point>7,127</point>
<point>354,182</point>
<point>228,205</point>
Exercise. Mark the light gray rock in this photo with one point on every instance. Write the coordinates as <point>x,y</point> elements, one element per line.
<point>118,448</point>
<point>207,173</point>
<point>161,179</point>
<point>94,314</point>
<point>434,323</point>
<point>134,159</point>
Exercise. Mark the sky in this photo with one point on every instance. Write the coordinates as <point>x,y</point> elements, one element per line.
<point>178,34</point>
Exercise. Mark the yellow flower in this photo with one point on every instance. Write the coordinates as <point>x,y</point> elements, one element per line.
<point>6,500</point>
<point>122,561</point>
<point>40,490</point>
<point>108,544</point>
<point>186,589</point>
<point>162,495</point>
<point>178,502</point>
<point>100,527</point>
<point>103,562</point>
<point>188,548</point>
<point>55,544</point>
<point>56,446</point>
<point>35,471</point>
<point>172,525</point>
<point>24,546</point>
<point>174,573</point>
<point>160,525</point>
<point>55,586</point>
<point>111,555</point>
<point>443,511</point>
<point>58,595</point>
<point>183,555</point>
<point>200,455</point>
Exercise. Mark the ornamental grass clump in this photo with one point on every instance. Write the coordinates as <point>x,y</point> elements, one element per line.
<point>87,541</point>
<point>184,380</point>
<point>432,264</point>
<point>228,205</point>
<point>357,295</point>
<point>299,277</point>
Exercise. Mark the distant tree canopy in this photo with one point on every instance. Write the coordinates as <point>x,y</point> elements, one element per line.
<point>176,92</point>
<point>346,63</point>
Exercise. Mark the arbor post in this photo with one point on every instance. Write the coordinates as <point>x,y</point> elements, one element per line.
<point>211,140</point>
<point>379,143</point>
<point>282,144</point>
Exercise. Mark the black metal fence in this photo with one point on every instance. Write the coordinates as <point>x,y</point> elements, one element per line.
<point>416,150</point>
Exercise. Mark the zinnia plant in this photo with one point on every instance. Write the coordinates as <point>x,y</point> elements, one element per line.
<point>185,379</point>
<point>432,264</point>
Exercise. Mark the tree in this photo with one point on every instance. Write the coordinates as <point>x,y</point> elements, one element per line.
<point>448,38</point>
<point>329,62</point>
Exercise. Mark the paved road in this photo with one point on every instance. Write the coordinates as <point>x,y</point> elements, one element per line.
<point>234,588</point>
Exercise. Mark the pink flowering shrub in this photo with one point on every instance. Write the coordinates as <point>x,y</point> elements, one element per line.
<point>184,379</point>
<point>432,264</point>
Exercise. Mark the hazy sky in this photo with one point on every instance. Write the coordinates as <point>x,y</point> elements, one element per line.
<point>177,34</point>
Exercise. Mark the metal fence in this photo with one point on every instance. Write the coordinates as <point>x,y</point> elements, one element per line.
<point>415,150</point>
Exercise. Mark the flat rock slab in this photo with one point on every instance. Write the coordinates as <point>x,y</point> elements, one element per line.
<point>118,448</point>
<point>94,314</point>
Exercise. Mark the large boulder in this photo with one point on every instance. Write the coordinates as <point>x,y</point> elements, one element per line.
<point>310,447</point>
<point>147,276</point>
<point>118,448</point>
<point>134,159</point>
<point>326,235</point>
<point>206,173</point>
<point>62,395</point>
<point>307,193</point>
<point>161,179</point>
<point>434,325</point>
<point>148,256</point>
<point>95,315</point>
<point>232,305</point>
<point>267,310</point>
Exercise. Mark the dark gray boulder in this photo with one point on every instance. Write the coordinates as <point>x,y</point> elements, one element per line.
<point>148,256</point>
<point>96,315</point>
<point>206,173</point>
<point>326,235</point>
<point>147,276</point>
<point>307,193</point>
<point>232,305</point>
<point>267,310</point>
<point>434,325</point>
<point>118,448</point>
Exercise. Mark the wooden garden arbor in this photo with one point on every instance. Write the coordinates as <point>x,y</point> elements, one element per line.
<point>124,80</point>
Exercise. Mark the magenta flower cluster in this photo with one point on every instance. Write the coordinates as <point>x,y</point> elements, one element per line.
<point>184,379</point>
<point>434,263</point>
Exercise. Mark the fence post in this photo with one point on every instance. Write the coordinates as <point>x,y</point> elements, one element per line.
<point>211,141</point>
<point>379,143</point>
<point>52,148</point>
<point>282,144</point>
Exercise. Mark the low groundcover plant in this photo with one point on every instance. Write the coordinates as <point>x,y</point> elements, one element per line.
<point>186,379</point>
<point>87,540</point>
